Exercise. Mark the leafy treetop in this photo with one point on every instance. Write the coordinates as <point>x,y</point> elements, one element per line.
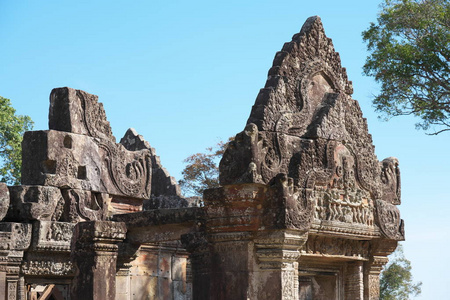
<point>12,128</point>
<point>202,171</point>
<point>396,282</point>
<point>409,49</point>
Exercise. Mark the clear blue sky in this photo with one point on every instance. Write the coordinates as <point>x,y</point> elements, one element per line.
<point>185,74</point>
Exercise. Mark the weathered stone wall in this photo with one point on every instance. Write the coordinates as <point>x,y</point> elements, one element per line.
<point>58,237</point>
<point>156,273</point>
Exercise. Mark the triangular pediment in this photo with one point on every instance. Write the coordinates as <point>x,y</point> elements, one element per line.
<point>303,73</point>
<point>307,97</point>
<point>304,126</point>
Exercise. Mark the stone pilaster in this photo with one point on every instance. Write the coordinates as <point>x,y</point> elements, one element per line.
<point>126,254</point>
<point>374,268</point>
<point>354,280</point>
<point>94,252</point>
<point>15,288</point>
<point>200,257</point>
<point>380,250</point>
<point>15,238</point>
<point>276,274</point>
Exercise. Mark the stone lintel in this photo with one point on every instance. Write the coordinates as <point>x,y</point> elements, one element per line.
<point>344,230</point>
<point>52,236</point>
<point>160,225</point>
<point>160,217</point>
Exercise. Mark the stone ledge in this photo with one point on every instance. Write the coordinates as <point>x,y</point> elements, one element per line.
<point>160,217</point>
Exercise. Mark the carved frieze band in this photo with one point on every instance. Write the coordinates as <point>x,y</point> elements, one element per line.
<point>320,245</point>
<point>52,236</point>
<point>48,268</point>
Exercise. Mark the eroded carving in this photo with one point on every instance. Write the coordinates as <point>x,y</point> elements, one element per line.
<point>81,205</point>
<point>4,200</point>
<point>321,245</point>
<point>295,206</point>
<point>78,112</point>
<point>15,236</point>
<point>49,267</point>
<point>29,203</point>
<point>163,185</point>
<point>389,220</point>
<point>390,178</point>
<point>52,236</point>
<point>130,171</point>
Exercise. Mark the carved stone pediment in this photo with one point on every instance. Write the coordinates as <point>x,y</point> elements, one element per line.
<point>305,125</point>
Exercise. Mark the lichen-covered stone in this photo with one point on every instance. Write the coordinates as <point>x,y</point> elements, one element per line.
<point>63,160</point>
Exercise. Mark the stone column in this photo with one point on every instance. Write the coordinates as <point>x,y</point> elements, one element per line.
<point>94,252</point>
<point>201,263</point>
<point>123,281</point>
<point>126,254</point>
<point>354,280</point>
<point>15,238</point>
<point>276,274</point>
<point>221,263</point>
<point>14,286</point>
<point>372,269</point>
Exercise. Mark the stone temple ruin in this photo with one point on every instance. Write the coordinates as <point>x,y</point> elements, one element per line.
<point>305,209</point>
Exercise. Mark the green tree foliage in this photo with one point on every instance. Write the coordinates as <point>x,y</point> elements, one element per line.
<point>202,171</point>
<point>396,282</point>
<point>12,128</point>
<point>409,49</point>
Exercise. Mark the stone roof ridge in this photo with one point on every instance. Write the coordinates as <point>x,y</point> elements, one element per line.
<point>162,183</point>
<point>309,23</point>
<point>312,43</point>
<point>133,141</point>
<point>303,72</point>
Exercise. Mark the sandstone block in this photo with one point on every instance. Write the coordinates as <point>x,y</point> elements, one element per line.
<point>29,203</point>
<point>4,200</point>
<point>61,159</point>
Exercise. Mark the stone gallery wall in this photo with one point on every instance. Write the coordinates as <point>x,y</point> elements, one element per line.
<point>56,228</point>
<point>305,209</point>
